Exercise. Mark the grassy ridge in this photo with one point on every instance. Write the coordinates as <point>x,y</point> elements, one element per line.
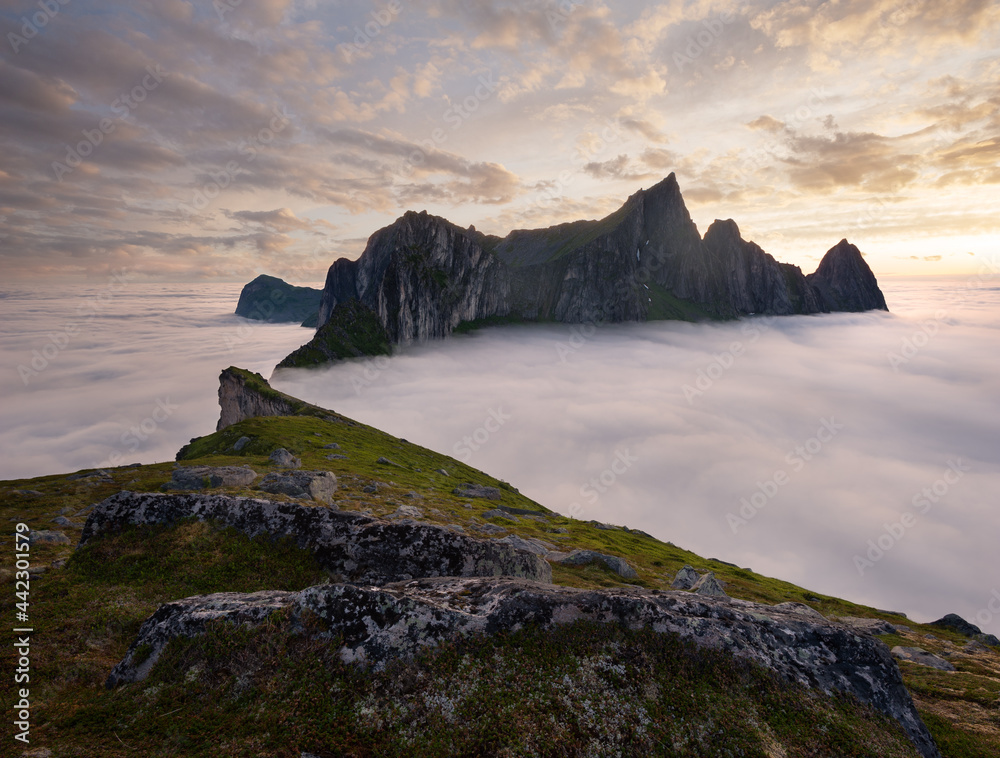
<point>226,695</point>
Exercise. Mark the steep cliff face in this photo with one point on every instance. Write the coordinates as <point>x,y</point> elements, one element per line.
<point>422,276</point>
<point>243,395</point>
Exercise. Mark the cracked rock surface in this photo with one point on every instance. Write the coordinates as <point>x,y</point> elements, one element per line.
<point>379,624</point>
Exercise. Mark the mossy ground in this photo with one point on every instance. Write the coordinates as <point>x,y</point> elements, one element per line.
<point>88,611</point>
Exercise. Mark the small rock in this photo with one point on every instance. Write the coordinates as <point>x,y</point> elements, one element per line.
<point>282,457</point>
<point>491,529</point>
<point>336,457</point>
<point>801,609</point>
<point>973,647</point>
<point>241,443</point>
<point>497,513</point>
<point>709,585</point>
<point>476,490</point>
<point>37,752</point>
<point>385,462</point>
<point>28,493</point>
<point>441,471</point>
<point>921,657</point>
<point>608,527</point>
<point>202,477</point>
<point>407,511</point>
<point>414,495</point>
<point>871,626</point>
<point>371,488</point>
<point>686,578</point>
<point>50,537</point>
<point>36,570</point>
<point>331,446</point>
<point>456,528</point>
<point>63,521</point>
<point>559,530</point>
<point>65,511</point>
<point>960,625</point>
<point>58,564</point>
<point>530,546</point>
<point>318,485</point>
<point>613,562</point>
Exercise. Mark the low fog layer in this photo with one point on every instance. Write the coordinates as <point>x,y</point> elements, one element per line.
<point>864,446</point>
<point>121,372</point>
<point>783,445</point>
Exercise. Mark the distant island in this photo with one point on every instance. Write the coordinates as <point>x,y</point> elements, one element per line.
<point>274,301</point>
<point>423,278</point>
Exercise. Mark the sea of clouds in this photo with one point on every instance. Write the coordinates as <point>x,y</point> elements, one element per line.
<point>854,454</point>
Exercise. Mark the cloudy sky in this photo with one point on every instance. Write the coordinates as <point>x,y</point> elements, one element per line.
<point>214,140</point>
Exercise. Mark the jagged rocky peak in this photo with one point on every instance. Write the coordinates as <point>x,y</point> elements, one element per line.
<point>423,276</point>
<point>845,282</point>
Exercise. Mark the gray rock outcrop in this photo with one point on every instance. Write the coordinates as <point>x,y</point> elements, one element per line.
<point>708,585</point>
<point>958,624</point>
<point>240,399</point>
<point>315,485</point>
<point>205,477</point>
<point>921,657</point>
<point>613,562</point>
<point>685,579</point>
<point>378,625</point>
<point>476,490</point>
<point>283,458</point>
<point>354,547</point>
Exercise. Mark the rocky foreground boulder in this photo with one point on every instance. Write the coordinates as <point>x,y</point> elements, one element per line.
<point>376,625</point>
<point>353,547</point>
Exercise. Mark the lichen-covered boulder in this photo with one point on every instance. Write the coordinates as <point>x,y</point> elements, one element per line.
<point>314,485</point>
<point>613,562</point>
<point>205,477</point>
<point>377,625</point>
<point>353,547</point>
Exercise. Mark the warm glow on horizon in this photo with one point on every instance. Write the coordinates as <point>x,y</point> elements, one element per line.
<point>198,142</point>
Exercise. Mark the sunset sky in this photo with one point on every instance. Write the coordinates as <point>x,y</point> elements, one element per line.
<point>200,140</point>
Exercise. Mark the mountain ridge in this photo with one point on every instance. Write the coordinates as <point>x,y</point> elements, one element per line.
<point>424,276</point>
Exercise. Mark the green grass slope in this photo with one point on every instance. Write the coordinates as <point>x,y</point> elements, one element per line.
<point>582,690</point>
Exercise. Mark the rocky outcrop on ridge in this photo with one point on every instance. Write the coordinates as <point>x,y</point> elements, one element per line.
<point>422,276</point>
<point>243,395</point>
<point>354,547</point>
<point>378,625</point>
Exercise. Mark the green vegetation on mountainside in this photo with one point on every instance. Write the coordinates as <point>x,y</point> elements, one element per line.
<point>561,693</point>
